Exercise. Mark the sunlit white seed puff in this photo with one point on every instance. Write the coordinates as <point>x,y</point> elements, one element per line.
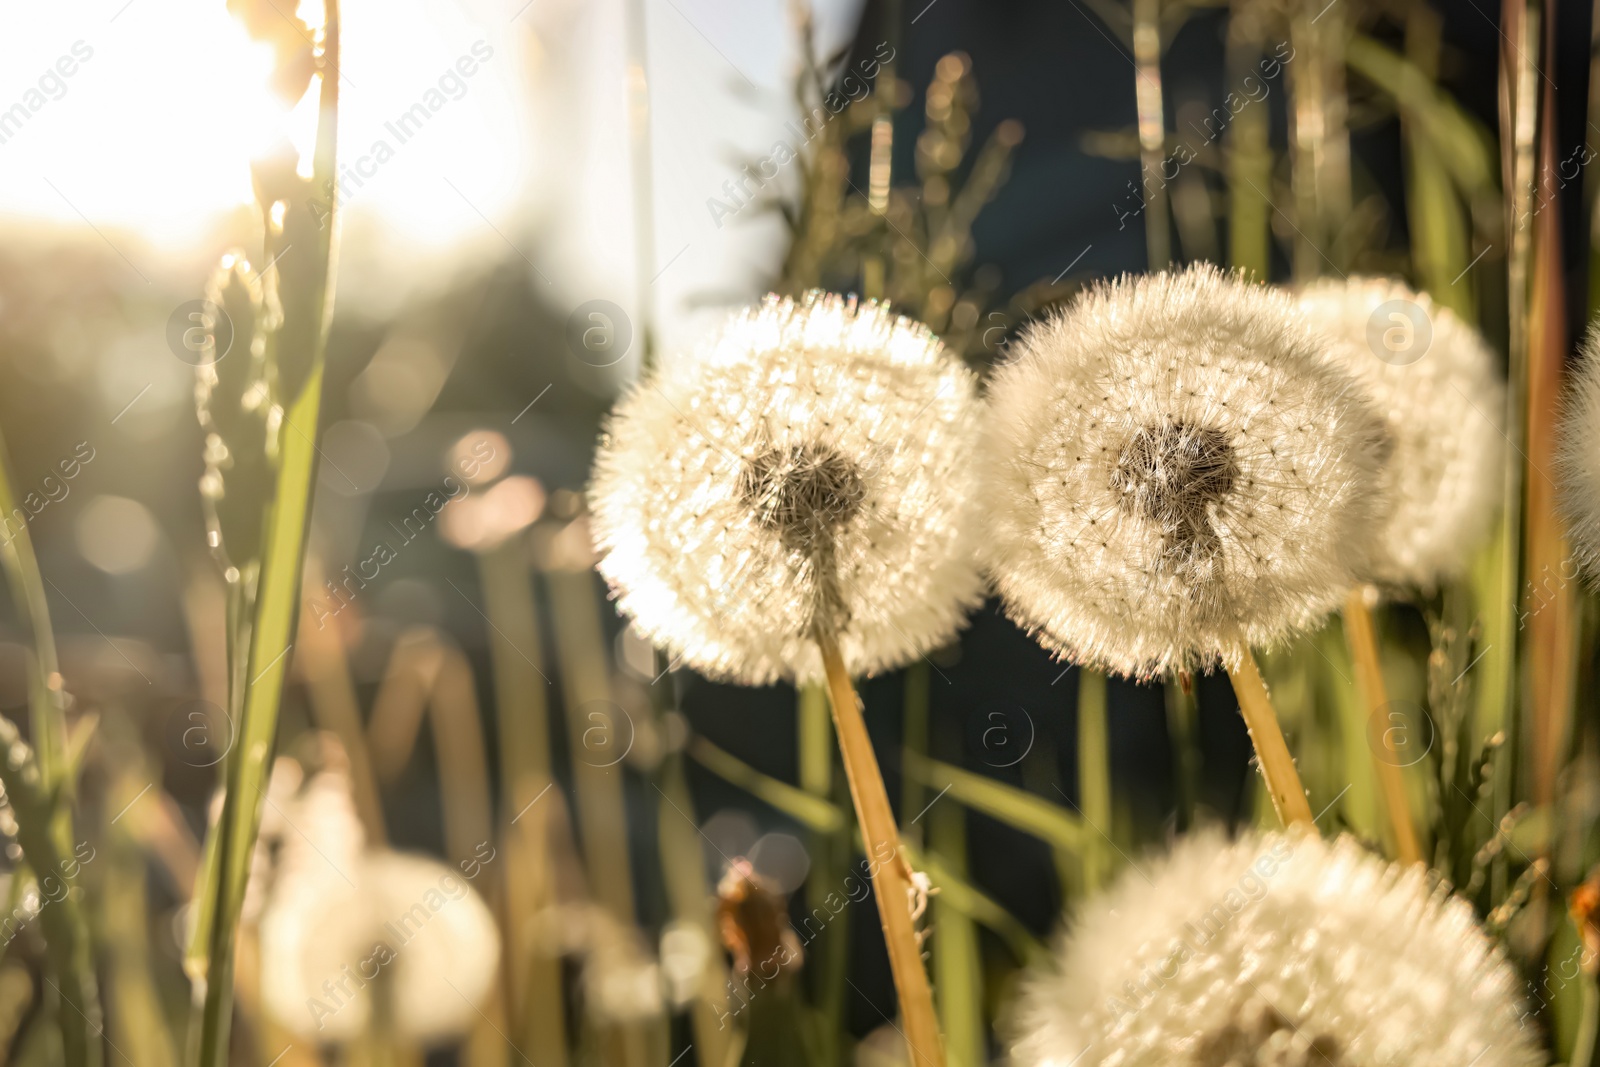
<point>354,937</point>
<point>1435,381</point>
<point>808,468</point>
<point>1282,950</point>
<point>1173,466</point>
<point>1578,461</point>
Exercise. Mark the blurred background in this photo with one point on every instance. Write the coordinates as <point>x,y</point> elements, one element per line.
<point>538,197</point>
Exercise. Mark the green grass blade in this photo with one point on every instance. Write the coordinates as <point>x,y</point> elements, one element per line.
<point>1094,777</point>
<point>45,820</point>
<point>46,699</point>
<point>256,739</point>
<point>957,964</point>
<point>821,816</point>
<point>66,934</point>
<point>1249,153</point>
<point>1051,823</point>
<point>812,812</point>
<point>1457,141</point>
<point>683,872</point>
<point>306,292</point>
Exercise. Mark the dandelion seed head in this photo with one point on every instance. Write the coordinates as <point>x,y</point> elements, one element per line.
<point>351,934</point>
<point>1578,458</point>
<point>1444,403</point>
<point>1277,950</point>
<point>808,468</point>
<point>1172,466</point>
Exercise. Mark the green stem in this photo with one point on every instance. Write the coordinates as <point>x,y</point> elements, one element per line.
<point>1094,776</point>
<point>1182,715</point>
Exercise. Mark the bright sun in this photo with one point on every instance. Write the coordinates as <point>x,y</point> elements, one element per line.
<point>144,115</point>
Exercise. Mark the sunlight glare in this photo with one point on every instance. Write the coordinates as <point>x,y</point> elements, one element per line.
<point>169,100</point>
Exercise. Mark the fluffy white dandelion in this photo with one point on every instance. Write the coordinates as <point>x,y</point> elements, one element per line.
<point>796,500</point>
<point>1282,950</point>
<point>1435,381</point>
<point>807,470</point>
<point>1177,469</point>
<point>1578,461</point>
<point>353,937</point>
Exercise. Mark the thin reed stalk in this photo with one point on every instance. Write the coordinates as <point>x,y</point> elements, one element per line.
<point>1249,151</point>
<point>1152,132</point>
<point>323,665</point>
<point>688,895</point>
<point>1520,42</point>
<point>1319,142</point>
<point>600,733</point>
<point>641,159</point>
<point>1363,638</point>
<point>532,977</point>
<point>595,726</point>
<point>880,164</point>
<point>1552,630</point>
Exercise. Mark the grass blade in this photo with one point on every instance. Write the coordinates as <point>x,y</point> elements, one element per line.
<point>810,811</point>
<point>66,934</point>
<point>1094,776</point>
<point>305,286</point>
<point>1249,151</point>
<point>43,816</point>
<point>46,701</point>
<point>957,964</point>
<point>1051,823</point>
<point>802,807</point>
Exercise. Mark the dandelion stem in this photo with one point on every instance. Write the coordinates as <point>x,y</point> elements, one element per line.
<point>891,880</point>
<point>1363,640</point>
<point>1272,752</point>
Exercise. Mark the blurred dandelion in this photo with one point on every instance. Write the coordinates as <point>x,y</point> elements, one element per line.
<point>1434,380</point>
<point>1278,949</point>
<point>354,938</point>
<point>1443,402</point>
<point>1578,461</point>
